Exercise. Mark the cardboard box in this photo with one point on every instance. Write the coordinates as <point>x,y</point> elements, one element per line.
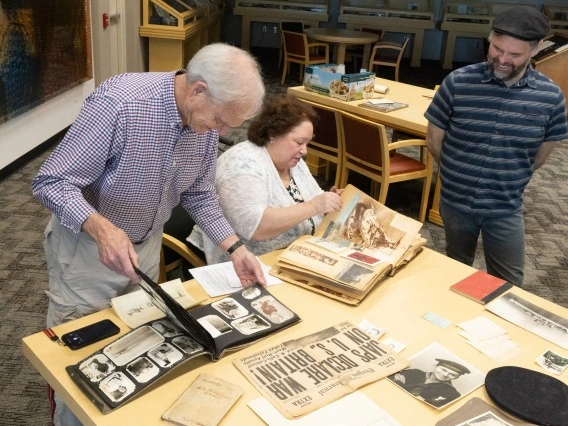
<point>325,80</point>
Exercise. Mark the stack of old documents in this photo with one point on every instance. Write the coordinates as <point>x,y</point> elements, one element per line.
<point>351,250</point>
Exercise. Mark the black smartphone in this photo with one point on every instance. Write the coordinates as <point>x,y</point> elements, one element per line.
<point>90,334</point>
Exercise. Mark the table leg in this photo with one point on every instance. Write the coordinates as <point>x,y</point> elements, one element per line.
<point>417,49</point>
<point>340,53</point>
<point>333,48</point>
<point>245,33</point>
<point>449,54</point>
<point>434,214</point>
<point>366,56</point>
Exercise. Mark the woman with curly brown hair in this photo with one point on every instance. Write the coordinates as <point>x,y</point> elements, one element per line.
<point>265,188</point>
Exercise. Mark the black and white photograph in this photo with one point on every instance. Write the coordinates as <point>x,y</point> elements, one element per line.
<point>187,344</point>
<point>484,419</point>
<point>132,345</point>
<point>552,362</point>
<point>165,355</point>
<point>438,377</point>
<point>314,254</point>
<point>251,293</point>
<point>214,325</point>
<point>166,328</point>
<point>142,369</point>
<point>97,367</point>
<point>117,386</point>
<point>334,246</point>
<point>272,309</point>
<point>353,274</point>
<point>369,227</point>
<point>230,308</point>
<point>532,318</point>
<point>251,324</point>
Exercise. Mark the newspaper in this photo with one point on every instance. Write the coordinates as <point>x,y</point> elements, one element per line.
<point>351,250</point>
<point>302,375</point>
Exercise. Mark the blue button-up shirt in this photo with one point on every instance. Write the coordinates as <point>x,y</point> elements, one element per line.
<point>493,134</point>
<point>129,157</point>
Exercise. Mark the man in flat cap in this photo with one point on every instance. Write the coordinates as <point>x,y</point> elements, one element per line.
<point>434,387</point>
<point>491,125</point>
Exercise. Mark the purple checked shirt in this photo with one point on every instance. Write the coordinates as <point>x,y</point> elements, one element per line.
<point>129,157</point>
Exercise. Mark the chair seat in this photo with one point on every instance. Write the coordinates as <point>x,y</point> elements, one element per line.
<point>400,163</point>
<point>316,57</point>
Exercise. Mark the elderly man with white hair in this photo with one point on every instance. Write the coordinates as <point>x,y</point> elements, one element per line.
<point>142,143</point>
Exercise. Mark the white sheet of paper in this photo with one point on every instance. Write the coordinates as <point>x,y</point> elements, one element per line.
<point>482,328</point>
<point>502,352</point>
<point>220,279</point>
<point>135,308</point>
<point>487,343</point>
<point>380,101</point>
<point>355,409</point>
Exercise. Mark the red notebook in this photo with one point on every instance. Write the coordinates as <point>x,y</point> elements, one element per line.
<point>481,287</point>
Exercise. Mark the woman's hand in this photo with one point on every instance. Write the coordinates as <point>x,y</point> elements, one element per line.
<point>326,202</point>
<point>336,190</point>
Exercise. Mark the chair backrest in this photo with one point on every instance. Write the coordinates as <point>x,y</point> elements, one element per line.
<point>180,223</point>
<point>365,142</point>
<point>327,129</point>
<point>389,52</point>
<point>295,44</point>
<point>178,227</point>
<point>294,26</point>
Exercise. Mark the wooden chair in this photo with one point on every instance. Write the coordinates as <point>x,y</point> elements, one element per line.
<point>327,143</point>
<point>298,50</point>
<point>176,252</point>
<point>294,26</point>
<point>368,153</point>
<point>354,53</point>
<point>388,54</point>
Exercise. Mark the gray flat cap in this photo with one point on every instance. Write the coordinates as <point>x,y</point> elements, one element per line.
<point>522,22</point>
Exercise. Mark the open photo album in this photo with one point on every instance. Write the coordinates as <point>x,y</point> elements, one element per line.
<point>351,250</point>
<point>113,375</point>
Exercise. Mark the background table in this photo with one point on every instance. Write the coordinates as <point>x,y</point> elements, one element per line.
<point>341,38</point>
<point>397,305</point>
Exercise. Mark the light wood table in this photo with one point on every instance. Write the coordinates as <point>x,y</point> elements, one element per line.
<point>341,38</point>
<point>397,304</point>
<point>409,120</point>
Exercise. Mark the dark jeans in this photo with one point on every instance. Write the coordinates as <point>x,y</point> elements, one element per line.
<point>503,241</point>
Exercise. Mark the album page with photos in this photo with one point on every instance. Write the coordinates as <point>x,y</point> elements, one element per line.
<point>352,250</point>
<point>115,374</point>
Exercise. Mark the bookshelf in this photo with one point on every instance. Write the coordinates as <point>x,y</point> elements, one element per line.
<point>469,18</point>
<point>402,16</point>
<point>558,17</point>
<point>310,12</point>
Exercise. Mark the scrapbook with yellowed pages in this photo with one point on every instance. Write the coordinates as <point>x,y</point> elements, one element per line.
<point>115,374</point>
<point>352,250</point>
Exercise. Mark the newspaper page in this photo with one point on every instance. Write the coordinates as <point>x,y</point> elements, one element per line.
<point>302,375</point>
